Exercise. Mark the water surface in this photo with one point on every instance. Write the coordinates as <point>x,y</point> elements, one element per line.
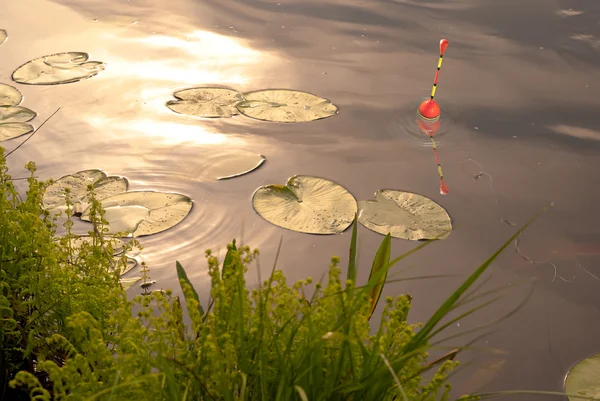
<point>518,89</point>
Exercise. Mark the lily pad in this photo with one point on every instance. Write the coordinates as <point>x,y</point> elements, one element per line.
<point>285,106</point>
<point>404,215</point>
<point>104,186</point>
<point>16,114</point>
<point>13,121</point>
<point>584,379</point>
<point>206,102</point>
<point>77,243</point>
<point>208,164</point>
<point>127,283</point>
<point>9,95</point>
<point>306,204</point>
<point>143,212</point>
<point>60,68</point>
<point>226,163</point>
<point>118,250</point>
<point>13,130</point>
<point>3,36</point>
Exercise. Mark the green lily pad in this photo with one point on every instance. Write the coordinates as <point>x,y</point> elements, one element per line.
<point>9,95</point>
<point>13,121</point>
<point>60,68</point>
<point>306,204</point>
<point>16,114</point>
<point>142,213</point>
<point>226,163</point>
<point>104,186</point>
<point>77,243</point>
<point>212,165</point>
<point>13,130</point>
<point>285,106</point>
<point>118,250</point>
<point>127,283</point>
<point>3,36</point>
<point>584,379</point>
<point>207,102</point>
<point>404,215</point>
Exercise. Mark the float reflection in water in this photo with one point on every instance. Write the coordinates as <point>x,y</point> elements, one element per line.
<point>430,128</point>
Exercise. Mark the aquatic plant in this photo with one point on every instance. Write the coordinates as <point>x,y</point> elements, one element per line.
<point>43,280</point>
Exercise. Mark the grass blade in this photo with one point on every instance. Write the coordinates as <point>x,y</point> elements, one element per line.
<point>352,258</point>
<point>379,270</point>
<point>443,310</point>
<point>182,276</point>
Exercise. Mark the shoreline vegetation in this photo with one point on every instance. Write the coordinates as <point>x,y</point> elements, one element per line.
<point>68,330</point>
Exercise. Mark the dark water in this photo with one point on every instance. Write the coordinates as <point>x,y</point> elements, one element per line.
<point>519,96</point>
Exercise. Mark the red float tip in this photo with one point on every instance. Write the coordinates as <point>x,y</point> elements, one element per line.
<point>444,190</point>
<point>429,109</point>
<point>443,46</point>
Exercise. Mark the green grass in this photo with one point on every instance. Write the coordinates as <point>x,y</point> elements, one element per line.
<point>69,332</point>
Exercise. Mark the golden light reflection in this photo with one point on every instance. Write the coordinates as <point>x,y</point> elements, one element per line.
<point>163,132</point>
<point>202,57</point>
<point>145,71</point>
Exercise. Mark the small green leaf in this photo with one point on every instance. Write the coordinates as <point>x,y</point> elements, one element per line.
<point>379,271</point>
<point>228,262</point>
<point>182,276</point>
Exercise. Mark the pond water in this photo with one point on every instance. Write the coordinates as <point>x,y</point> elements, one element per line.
<point>519,97</point>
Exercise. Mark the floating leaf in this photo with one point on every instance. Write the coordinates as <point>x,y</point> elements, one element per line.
<point>306,204</point>
<point>13,130</point>
<point>143,212</point>
<point>404,215</point>
<point>9,95</point>
<point>227,163</point>
<point>104,186</point>
<point>285,106</point>
<point>60,68</point>
<point>213,164</point>
<point>77,243</point>
<point>16,114</point>
<point>3,36</point>
<point>206,102</point>
<point>127,283</point>
<point>584,379</point>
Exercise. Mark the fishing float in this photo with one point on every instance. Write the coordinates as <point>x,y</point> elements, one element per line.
<point>429,109</point>
<point>430,128</point>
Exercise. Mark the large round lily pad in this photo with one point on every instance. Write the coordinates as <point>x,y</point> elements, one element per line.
<point>3,36</point>
<point>206,102</point>
<point>60,68</point>
<point>143,212</point>
<point>9,95</point>
<point>13,121</point>
<point>404,215</point>
<point>306,204</point>
<point>584,379</point>
<point>285,106</point>
<point>104,186</point>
